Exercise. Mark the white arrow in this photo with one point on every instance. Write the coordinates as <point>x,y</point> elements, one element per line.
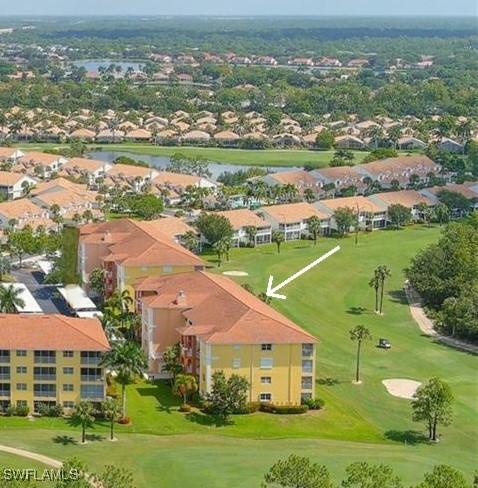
<point>271,291</point>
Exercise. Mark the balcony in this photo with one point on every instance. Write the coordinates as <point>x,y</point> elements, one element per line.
<point>4,359</point>
<point>44,394</point>
<point>4,393</point>
<point>44,377</point>
<point>5,376</point>
<point>91,378</point>
<point>91,360</point>
<point>45,359</point>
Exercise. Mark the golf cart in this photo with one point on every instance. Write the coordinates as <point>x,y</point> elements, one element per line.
<point>384,343</point>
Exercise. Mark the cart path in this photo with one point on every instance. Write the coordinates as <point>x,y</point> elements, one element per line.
<point>54,463</point>
<point>426,324</point>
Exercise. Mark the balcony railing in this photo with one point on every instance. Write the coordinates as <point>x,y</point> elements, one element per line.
<point>90,360</point>
<point>91,378</point>
<point>45,394</point>
<point>5,376</point>
<point>5,393</point>
<point>45,360</point>
<point>4,359</point>
<point>44,377</point>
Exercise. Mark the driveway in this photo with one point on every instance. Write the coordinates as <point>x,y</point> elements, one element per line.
<point>47,296</point>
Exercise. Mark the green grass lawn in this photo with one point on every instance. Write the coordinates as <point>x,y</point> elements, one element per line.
<point>271,157</point>
<point>69,256</point>
<point>359,422</point>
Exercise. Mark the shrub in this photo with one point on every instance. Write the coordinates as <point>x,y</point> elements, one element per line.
<point>250,407</point>
<point>283,409</point>
<point>22,411</point>
<point>314,403</point>
<point>185,408</point>
<point>10,411</point>
<point>47,411</point>
<point>124,420</point>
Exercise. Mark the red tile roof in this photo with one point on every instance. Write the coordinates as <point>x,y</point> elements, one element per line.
<point>51,332</point>
<point>221,311</point>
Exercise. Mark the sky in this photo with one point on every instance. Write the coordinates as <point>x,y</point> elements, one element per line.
<point>241,7</point>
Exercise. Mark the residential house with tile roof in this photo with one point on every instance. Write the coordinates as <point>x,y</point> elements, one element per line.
<point>292,219</point>
<point>48,360</point>
<point>130,249</point>
<point>222,327</point>
<point>241,220</point>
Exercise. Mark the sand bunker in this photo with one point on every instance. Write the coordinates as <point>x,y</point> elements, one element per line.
<point>401,388</point>
<point>235,273</point>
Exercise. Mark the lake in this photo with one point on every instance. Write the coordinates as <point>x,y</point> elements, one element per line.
<point>93,65</point>
<point>163,161</point>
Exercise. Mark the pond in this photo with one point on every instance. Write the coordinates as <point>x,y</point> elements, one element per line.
<point>163,161</point>
<point>93,65</point>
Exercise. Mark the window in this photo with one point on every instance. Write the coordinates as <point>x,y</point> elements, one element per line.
<point>4,356</point>
<point>307,365</point>
<point>68,354</point>
<point>266,363</point>
<point>44,390</point>
<point>236,347</point>
<point>22,403</point>
<point>265,397</point>
<point>21,353</point>
<point>68,370</point>
<point>45,357</point>
<point>21,386</point>
<point>305,396</point>
<point>68,387</point>
<point>307,350</point>
<point>44,373</point>
<point>266,347</point>
<point>266,380</point>
<point>236,363</point>
<point>306,382</point>
<point>68,404</point>
<point>167,269</point>
<point>95,392</point>
<point>21,370</point>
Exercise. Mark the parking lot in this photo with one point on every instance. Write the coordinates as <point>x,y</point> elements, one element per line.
<point>46,295</point>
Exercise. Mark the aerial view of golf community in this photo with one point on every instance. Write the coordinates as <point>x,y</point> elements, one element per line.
<point>239,245</point>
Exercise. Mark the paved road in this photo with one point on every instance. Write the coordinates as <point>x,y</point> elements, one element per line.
<point>47,296</point>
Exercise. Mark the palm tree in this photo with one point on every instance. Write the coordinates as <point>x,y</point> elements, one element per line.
<point>441,213</point>
<point>112,411</point>
<point>383,273</point>
<point>309,195</point>
<point>128,361</point>
<point>83,415</point>
<point>190,240</point>
<point>278,237</point>
<point>5,266</point>
<point>314,227</point>
<point>10,299</point>
<point>359,334</point>
<point>251,232</point>
<point>375,284</point>
<point>221,247</point>
<point>185,384</point>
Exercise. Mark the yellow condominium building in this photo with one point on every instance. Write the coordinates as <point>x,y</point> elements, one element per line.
<point>221,326</point>
<point>131,249</point>
<point>50,360</point>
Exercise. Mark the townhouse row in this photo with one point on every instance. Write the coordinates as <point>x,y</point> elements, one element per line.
<point>292,219</point>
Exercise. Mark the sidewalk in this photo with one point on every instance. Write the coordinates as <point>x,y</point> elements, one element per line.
<point>426,324</point>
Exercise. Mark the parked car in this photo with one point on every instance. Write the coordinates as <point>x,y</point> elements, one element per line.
<point>384,343</point>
